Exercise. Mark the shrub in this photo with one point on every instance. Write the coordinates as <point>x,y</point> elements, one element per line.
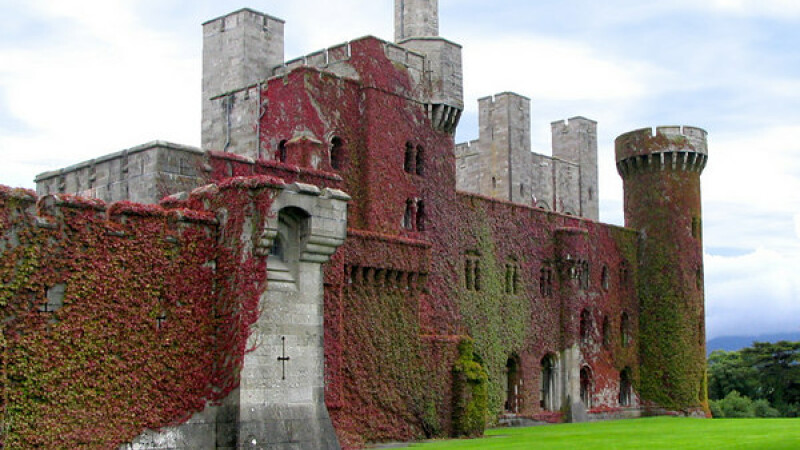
<point>762,408</point>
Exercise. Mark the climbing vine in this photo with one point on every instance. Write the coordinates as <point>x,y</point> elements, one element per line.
<point>119,319</point>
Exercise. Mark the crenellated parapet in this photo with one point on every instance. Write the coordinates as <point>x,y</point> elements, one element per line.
<point>669,148</point>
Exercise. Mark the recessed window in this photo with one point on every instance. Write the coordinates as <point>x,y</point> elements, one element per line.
<point>421,215</point>
<point>282,151</point>
<point>337,155</point>
<point>420,160</point>
<point>586,326</point>
<point>408,215</point>
<point>546,282</point>
<point>472,272</point>
<point>625,387</point>
<point>604,278</point>
<point>409,159</point>
<point>625,329</point>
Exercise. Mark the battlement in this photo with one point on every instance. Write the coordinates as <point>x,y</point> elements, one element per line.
<point>327,57</point>
<point>237,18</point>
<point>573,124</point>
<point>670,147</point>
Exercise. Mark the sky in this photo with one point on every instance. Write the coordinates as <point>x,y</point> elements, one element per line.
<point>82,78</point>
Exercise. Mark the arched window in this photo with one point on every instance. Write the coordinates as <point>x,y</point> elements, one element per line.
<point>286,248</point>
<point>410,158</point>
<point>337,156</point>
<point>282,151</point>
<point>606,332</point>
<point>513,402</point>
<point>421,217</point>
<point>604,277</point>
<point>586,386</point>
<point>494,183</point>
<point>420,160</point>
<point>586,326</point>
<point>625,387</point>
<point>625,329</point>
<point>548,391</point>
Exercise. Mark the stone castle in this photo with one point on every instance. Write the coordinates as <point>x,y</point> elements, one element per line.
<point>372,280</point>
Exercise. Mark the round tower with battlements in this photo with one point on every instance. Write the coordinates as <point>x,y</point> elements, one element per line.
<point>661,179</point>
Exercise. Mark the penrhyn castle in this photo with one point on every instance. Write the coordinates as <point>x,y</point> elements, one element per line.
<point>331,269</point>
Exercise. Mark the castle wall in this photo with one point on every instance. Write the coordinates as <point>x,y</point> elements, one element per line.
<point>143,174</point>
<point>165,310</point>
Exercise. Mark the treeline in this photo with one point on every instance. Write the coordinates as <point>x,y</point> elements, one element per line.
<point>758,381</point>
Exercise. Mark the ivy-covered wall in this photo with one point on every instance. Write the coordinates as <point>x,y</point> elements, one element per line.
<point>398,297</point>
<point>123,317</point>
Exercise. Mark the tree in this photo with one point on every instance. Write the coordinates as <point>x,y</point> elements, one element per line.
<point>727,372</point>
<point>778,367</point>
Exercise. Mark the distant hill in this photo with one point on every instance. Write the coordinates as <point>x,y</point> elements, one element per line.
<point>731,343</point>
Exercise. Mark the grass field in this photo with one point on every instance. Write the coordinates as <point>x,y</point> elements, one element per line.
<point>647,433</point>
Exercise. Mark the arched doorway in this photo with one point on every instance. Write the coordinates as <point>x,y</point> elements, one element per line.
<point>586,386</point>
<point>548,392</point>
<point>625,387</point>
<point>513,402</point>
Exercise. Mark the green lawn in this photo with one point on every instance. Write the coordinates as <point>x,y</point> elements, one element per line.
<point>647,433</point>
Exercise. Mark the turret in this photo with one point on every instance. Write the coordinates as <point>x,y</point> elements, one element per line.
<point>575,140</point>
<point>661,180</point>
<point>417,28</point>
<point>240,50</point>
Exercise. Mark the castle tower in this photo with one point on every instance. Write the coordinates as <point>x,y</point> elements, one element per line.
<point>416,18</point>
<point>575,140</point>
<point>505,142</point>
<point>240,49</point>
<point>416,25</point>
<point>661,180</point>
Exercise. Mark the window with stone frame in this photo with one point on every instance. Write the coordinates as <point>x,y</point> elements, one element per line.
<point>472,271</point>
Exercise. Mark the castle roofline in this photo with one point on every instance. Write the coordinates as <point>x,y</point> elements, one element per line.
<point>427,38</point>
<point>561,122</point>
<point>494,96</point>
<point>137,149</point>
<point>244,10</point>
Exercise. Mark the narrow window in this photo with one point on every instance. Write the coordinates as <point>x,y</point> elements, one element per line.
<point>336,153</point>
<point>546,282</point>
<point>604,278</point>
<point>548,389</point>
<point>494,183</point>
<point>625,329</point>
<point>625,387</point>
<point>282,151</point>
<point>468,274</point>
<point>606,332</point>
<point>408,216</point>
<point>277,249</point>
<point>586,387</point>
<point>586,326</point>
<point>421,216</point>
<point>408,162</point>
<point>472,272</point>
<point>420,160</point>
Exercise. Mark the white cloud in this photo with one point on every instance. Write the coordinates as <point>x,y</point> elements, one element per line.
<point>103,84</point>
<point>751,294</point>
<point>779,9</point>
<point>550,69</point>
